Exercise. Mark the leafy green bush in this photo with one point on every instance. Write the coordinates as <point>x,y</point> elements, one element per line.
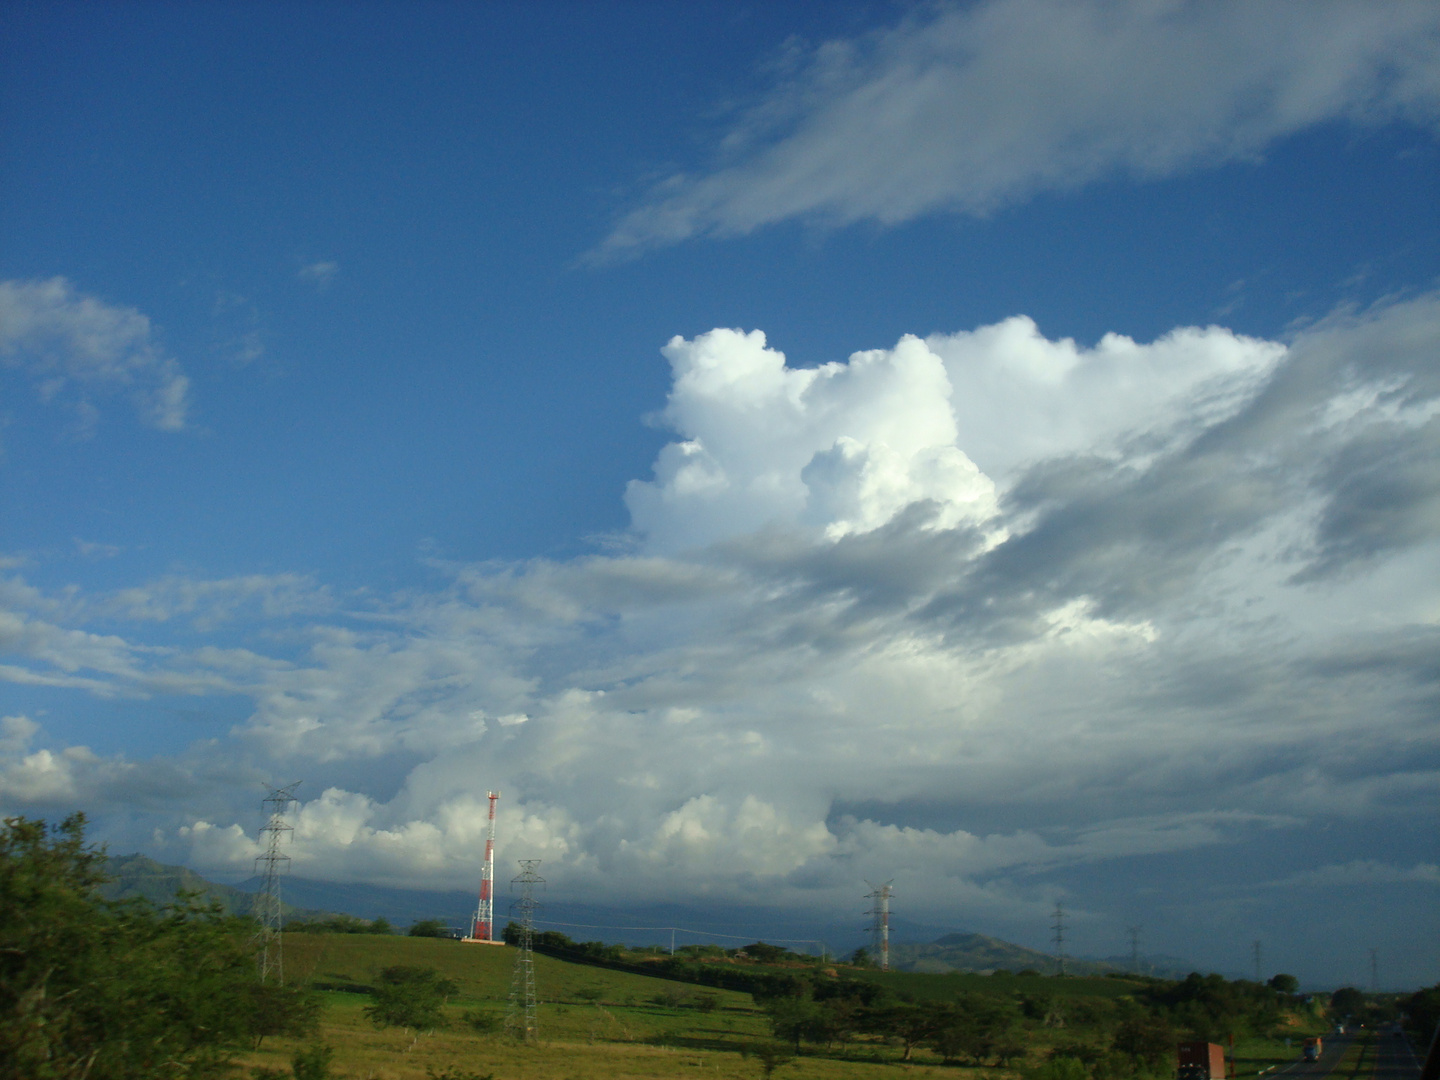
<point>1061,1068</point>
<point>409,997</point>
<point>112,990</point>
<point>312,1063</point>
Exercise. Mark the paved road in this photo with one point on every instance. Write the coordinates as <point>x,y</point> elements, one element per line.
<point>1391,1058</point>
<point>1333,1050</point>
<point>1395,1058</point>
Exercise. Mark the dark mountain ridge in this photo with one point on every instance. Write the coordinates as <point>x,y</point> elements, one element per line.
<point>305,900</point>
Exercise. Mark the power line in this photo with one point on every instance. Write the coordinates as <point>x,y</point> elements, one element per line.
<point>683,930</point>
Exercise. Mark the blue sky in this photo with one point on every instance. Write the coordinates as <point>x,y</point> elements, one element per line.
<point>1035,496</point>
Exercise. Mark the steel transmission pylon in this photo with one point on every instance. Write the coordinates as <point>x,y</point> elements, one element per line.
<point>1059,927</point>
<point>880,926</point>
<point>1134,932</point>
<point>520,1015</point>
<point>269,866</point>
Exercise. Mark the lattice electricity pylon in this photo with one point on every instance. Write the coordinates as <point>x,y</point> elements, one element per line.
<point>269,867</point>
<point>520,1015</point>
<point>880,928</point>
<point>1059,927</point>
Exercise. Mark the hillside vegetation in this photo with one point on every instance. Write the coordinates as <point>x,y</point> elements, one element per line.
<point>93,988</point>
<point>633,1013</point>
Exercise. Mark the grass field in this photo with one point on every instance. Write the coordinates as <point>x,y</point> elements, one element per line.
<point>607,1025</point>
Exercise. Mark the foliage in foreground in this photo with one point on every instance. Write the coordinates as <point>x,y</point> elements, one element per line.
<point>92,989</point>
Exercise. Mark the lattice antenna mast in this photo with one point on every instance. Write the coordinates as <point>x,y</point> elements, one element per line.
<point>1059,927</point>
<point>483,925</point>
<point>880,927</point>
<point>1134,932</point>
<point>520,1016</point>
<point>269,867</point>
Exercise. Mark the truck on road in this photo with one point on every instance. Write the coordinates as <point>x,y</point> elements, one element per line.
<point>1201,1061</point>
<point>1312,1049</point>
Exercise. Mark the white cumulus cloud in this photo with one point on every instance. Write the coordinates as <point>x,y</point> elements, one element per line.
<point>841,448</point>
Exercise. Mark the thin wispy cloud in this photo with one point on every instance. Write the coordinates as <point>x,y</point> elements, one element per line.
<point>77,350</point>
<point>320,273</point>
<point>971,108</point>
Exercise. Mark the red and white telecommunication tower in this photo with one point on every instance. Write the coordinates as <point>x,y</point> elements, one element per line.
<point>484,922</point>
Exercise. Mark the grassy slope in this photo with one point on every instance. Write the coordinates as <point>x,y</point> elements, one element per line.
<point>608,1025</point>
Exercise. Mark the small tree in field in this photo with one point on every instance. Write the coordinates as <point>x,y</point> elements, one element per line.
<point>409,997</point>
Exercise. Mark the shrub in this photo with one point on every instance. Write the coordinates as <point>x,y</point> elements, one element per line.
<point>312,1063</point>
<point>114,989</point>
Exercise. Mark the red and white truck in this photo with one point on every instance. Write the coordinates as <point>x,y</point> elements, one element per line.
<point>1201,1061</point>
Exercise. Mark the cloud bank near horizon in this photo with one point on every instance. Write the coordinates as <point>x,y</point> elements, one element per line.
<point>1133,598</point>
<point>971,108</point>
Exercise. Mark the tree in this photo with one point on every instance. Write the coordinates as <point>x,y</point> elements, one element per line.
<point>1284,984</point>
<point>1062,1068</point>
<point>771,1057</point>
<point>110,990</point>
<point>381,925</point>
<point>273,1009</point>
<point>409,997</point>
<point>312,1063</point>
<point>1347,1001</point>
<point>1423,1010</point>
<point>978,1024</point>
<point>1147,1040</point>
<point>429,928</point>
<point>911,1024</point>
<point>793,1019</point>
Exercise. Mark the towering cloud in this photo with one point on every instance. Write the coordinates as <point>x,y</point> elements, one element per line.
<point>869,629</point>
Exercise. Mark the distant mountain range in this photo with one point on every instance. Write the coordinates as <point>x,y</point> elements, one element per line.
<point>978,953</point>
<point>139,875</point>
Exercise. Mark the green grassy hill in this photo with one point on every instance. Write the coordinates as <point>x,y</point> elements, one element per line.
<point>600,1023</point>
